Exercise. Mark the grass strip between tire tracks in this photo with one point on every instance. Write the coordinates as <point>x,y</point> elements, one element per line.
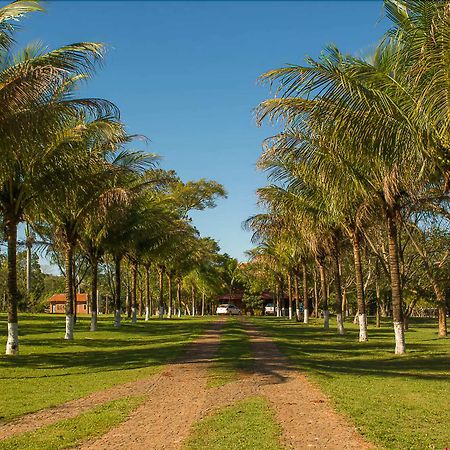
<point>233,356</point>
<point>68,433</point>
<point>247,424</point>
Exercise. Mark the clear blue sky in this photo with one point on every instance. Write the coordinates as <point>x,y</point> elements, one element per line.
<point>184,74</point>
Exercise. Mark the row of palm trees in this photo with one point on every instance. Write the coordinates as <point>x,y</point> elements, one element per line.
<point>68,169</point>
<point>361,167</point>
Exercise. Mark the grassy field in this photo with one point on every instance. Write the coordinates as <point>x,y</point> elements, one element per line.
<point>248,424</point>
<point>50,371</point>
<point>398,402</point>
<point>71,432</point>
<point>233,356</point>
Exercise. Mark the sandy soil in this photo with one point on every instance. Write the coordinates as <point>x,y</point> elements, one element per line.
<point>178,397</point>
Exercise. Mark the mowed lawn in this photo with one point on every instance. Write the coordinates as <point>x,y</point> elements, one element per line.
<point>50,371</point>
<point>398,402</point>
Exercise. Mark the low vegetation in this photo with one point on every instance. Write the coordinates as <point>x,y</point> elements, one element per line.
<point>247,424</point>
<point>395,402</point>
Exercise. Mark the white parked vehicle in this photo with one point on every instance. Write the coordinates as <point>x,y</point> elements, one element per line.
<point>228,309</point>
<point>269,309</point>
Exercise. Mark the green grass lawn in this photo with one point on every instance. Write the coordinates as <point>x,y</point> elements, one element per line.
<point>50,371</point>
<point>233,356</point>
<point>398,402</point>
<point>71,432</point>
<point>246,425</point>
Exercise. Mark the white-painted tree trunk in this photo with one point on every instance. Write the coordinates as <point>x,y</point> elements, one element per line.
<point>133,315</point>
<point>355,319</point>
<point>161,312</point>
<point>326,319</point>
<point>297,313</point>
<point>117,319</point>
<point>94,321</point>
<point>362,327</point>
<point>290,313</point>
<point>340,324</point>
<point>169,313</point>
<point>69,327</point>
<point>179,312</point>
<point>305,316</point>
<point>12,344</point>
<point>399,331</point>
<point>147,313</point>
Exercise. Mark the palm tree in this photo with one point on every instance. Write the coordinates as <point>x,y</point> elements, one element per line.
<point>35,97</point>
<point>350,99</point>
<point>84,182</point>
<point>93,236</point>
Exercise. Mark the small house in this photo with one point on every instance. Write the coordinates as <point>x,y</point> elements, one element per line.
<point>57,304</point>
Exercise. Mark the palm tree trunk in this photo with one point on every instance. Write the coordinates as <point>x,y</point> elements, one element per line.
<point>94,299</point>
<point>281,297</point>
<point>316,296</point>
<point>118,288</point>
<point>29,246</point>
<point>74,289</point>
<point>12,344</point>
<point>297,299</point>
<point>324,294</point>
<point>161,292</point>
<point>128,298</point>
<point>147,294</point>
<point>378,299</point>
<point>338,288</point>
<point>344,302</point>
<point>359,283</point>
<point>442,309</point>
<point>169,288</point>
<point>305,294</point>
<point>397,304</point>
<point>277,301</point>
<point>69,291</point>
<point>141,300</point>
<point>133,300</point>
<point>193,300</point>
<point>289,277</point>
<point>442,320</point>
<point>179,296</point>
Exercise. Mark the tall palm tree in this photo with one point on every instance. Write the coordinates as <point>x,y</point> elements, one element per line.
<point>93,235</point>
<point>35,88</point>
<point>350,97</point>
<point>84,182</point>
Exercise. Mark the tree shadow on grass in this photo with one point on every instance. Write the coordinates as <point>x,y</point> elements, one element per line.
<point>109,349</point>
<point>313,350</point>
<point>50,365</point>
